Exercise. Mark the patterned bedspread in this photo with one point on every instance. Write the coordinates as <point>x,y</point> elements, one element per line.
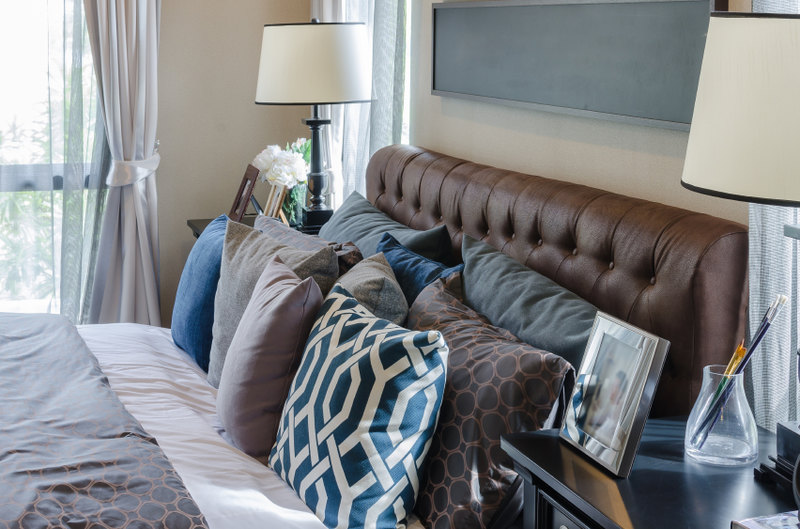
<point>70,454</point>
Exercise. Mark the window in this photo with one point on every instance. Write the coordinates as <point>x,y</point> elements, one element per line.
<point>48,117</point>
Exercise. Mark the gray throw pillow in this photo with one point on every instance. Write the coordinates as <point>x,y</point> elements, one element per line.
<point>374,285</point>
<point>347,252</point>
<point>245,254</point>
<point>357,220</point>
<point>536,309</point>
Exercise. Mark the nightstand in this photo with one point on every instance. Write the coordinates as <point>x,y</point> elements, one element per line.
<point>198,225</point>
<point>665,490</point>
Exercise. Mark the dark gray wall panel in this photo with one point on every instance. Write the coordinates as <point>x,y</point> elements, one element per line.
<point>635,61</point>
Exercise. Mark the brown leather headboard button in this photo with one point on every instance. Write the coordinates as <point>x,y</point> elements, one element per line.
<point>678,274</point>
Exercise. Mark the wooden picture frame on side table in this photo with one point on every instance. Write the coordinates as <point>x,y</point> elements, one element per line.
<point>244,193</point>
<point>274,204</point>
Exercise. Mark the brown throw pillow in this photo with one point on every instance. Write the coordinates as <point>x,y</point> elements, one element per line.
<point>374,285</point>
<point>263,357</point>
<point>495,385</point>
<point>245,253</point>
<point>346,252</point>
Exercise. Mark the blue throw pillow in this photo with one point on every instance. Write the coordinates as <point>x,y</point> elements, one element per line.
<point>360,413</point>
<point>413,271</point>
<point>193,313</point>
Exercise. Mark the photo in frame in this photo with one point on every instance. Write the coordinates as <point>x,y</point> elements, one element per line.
<point>614,389</point>
<point>243,195</point>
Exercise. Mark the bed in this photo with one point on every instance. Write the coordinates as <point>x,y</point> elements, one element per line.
<point>678,274</point>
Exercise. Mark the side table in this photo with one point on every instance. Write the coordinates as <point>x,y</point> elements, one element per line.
<point>665,490</point>
<point>198,225</point>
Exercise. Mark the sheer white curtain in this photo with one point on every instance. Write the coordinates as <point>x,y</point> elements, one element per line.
<point>771,377</point>
<point>52,150</point>
<point>358,130</point>
<point>124,39</point>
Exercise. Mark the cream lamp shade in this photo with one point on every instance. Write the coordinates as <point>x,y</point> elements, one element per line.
<point>744,141</point>
<point>314,64</point>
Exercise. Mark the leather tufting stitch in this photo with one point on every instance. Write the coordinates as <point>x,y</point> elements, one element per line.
<point>701,261</point>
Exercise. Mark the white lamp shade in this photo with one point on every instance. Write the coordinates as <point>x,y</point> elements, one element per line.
<point>314,64</point>
<point>744,141</point>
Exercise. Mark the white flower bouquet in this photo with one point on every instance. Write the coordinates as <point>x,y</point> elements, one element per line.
<point>288,168</point>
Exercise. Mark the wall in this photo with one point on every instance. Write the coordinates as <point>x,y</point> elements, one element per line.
<point>644,162</point>
<point>209,126</point>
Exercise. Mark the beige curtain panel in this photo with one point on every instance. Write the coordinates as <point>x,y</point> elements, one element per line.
<point>124,40</point>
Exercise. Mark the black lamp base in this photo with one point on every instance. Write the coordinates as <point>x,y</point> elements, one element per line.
<point>315,218</point>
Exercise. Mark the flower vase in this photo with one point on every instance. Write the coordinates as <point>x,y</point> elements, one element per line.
<point>293,204</point>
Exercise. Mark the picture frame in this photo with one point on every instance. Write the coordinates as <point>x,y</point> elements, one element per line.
<point>243,195</point>
<point>613,393</point>
<point>274,205</point>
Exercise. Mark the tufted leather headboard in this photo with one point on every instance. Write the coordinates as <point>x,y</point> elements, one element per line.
<point>678,274</point>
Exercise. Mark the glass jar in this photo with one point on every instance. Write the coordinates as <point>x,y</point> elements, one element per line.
<point>721,429</point>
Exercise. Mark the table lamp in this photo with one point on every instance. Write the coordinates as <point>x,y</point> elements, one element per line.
<point>314,64</point>
<point>744,142</point>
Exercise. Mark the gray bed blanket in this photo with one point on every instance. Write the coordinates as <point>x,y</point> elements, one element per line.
<point>70,453</point>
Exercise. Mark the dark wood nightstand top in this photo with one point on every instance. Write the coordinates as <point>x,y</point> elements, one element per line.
<point>665,490</point>
<point>198,225</point>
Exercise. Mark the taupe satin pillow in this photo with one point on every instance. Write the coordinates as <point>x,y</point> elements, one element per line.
<point>264,356</point>
<point>245,253</point>
<point>373,284</point>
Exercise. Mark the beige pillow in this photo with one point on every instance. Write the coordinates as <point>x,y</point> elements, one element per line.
<point>374,285</point>
<point>245,254</point>
<point>347,252</point>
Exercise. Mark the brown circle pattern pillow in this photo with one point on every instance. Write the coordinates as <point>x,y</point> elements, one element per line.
<point>495,385</point>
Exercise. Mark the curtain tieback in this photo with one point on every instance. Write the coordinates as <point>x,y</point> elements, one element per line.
<point>124,173</point>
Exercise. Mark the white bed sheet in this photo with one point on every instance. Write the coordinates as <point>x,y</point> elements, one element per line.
<point>168,393</point>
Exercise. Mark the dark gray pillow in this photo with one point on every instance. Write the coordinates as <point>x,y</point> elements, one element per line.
<point>373,284</point>
<point>536,309</point>
<point>245,254</point>
<point>358,221</point>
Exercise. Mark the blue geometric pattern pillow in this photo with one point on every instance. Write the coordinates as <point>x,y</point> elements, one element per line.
<point>193,312</point>
<point>360,414</point>
<point>413,271</point>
